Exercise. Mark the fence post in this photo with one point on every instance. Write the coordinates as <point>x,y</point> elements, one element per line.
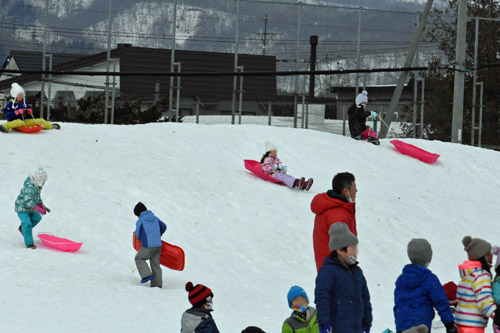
<point>474,83</point>
<point>415,97</point>
<point>343,120</point>
<point>172,61</point>
<point>44,54</point>
<point>269,112</point>
<point>113,92</point>
<point>197,112</point>
<point>157,91</point>
<point>358,64</point>
<point>49,95</point>
<point>108,59</point>
<point>235,67</point>
<point>299,27</point>
<point>480,132</point>
<point>240,103</point>
<point>422,107</point>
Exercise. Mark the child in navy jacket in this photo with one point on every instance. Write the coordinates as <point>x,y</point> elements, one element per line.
<point>342,296</point>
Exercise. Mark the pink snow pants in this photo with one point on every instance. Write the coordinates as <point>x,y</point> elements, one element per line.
<point>368,132</point>
<point>469,329</point>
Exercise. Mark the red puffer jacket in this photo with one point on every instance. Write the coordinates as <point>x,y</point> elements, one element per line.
<point>330,208</point>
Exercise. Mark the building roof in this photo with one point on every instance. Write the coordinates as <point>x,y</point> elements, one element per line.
<point>148,60</point>
<point>32,60</point>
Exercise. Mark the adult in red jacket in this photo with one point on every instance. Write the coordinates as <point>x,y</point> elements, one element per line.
<point>336,205</point>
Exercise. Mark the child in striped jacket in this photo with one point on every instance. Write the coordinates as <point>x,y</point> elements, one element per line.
<point>475,300</point>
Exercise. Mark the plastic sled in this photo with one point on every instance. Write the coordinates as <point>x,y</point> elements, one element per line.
<point>171,256</point>
<point>255,168</point>
<point>29,129</point>
<point>61,244</point>
<point>415,152</point>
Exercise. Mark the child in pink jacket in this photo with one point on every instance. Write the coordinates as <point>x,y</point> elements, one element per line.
<point>271,165</point>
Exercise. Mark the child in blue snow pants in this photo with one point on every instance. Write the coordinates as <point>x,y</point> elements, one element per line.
<point>28,222</point>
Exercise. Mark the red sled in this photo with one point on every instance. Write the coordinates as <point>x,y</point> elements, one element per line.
<point>255,168</point>
<point>415,152</point>
<point>29,129</point>
<point>171,256</point>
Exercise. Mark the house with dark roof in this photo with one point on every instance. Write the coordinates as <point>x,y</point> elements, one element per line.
<point>213,93</point>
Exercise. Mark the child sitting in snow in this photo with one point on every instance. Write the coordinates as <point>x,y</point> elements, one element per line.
<point>199,319</point>
<point>304,317</point>
<point>357,120</point>
<point>29,206</point>
<point>149,230</point>
<point>418,292</point>
<point>475,299</point>
<point>271,165</point>
<point>17,110</point>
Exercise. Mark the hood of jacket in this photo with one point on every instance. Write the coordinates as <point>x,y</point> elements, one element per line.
<point>330,200</point>
<point>413,276</point>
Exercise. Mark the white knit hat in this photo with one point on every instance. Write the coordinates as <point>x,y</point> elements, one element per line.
<point>270,146</point>
<point>362,98</point>
<point>40,176</point>
<point>16,89</point>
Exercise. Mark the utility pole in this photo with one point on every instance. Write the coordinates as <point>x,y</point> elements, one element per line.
<point>264,34</point>
<point>403,77</point>
<point>313,40</point>
<point>458,88</point>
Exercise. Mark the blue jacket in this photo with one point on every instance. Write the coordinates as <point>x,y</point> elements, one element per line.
<point>12,106</point>
<point>418,292</point>
<point>149,229</point>
<point>342,298</point>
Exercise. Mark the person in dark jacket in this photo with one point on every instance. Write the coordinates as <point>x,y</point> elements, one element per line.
<point>357,119</point>
<point>149,230</point>
<point>199,319</point>
<point>341,295</point>
<point>418,292</point>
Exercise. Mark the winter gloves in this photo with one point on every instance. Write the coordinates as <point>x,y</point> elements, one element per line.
<point>496,320</point>
<point>325,329</point>
<point>21,111</point>
<point>450,327</point>
<point>41,209</point>
<point>280,167</point>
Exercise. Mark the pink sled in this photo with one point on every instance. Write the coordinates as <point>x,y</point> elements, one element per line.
<point>58,243</point>
<point>255,168</point>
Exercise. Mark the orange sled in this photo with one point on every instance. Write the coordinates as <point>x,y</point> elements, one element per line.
<point>171,256</point>
<point>29,129</point>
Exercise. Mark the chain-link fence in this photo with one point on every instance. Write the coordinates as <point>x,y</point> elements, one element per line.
<point>206,36</point>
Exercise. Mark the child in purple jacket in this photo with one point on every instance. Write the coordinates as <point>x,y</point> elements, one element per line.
<point>271,165</point>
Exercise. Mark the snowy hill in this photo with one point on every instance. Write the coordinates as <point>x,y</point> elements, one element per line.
<point>247,239</point>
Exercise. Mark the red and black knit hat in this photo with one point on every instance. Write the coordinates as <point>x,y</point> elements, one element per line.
<point>199,294</point>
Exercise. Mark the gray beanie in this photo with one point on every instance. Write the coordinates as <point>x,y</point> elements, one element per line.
<point>476,247</point>
<point>341,236</point>
<point>417,329</point>
<point>419,251</point>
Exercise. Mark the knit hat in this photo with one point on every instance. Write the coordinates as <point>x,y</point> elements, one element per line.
<point>139,208</point>
<point>252,329</point>
<point>496,251</point>
<point>362,98</point>
<point>450,289</point>
<point>419,251</point>
<point>39,177</point>
<point>418,329</point>
<point>476,247</point>
<point>16,89</point>
<point>270,146</point>
<point>341,236</point>
<point>295,292</point>
<point>199,294</point>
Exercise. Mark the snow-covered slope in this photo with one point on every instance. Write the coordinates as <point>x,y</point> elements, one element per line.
<point>247,239</point>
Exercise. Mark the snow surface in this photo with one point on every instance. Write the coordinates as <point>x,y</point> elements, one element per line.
<point>247,239</point>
